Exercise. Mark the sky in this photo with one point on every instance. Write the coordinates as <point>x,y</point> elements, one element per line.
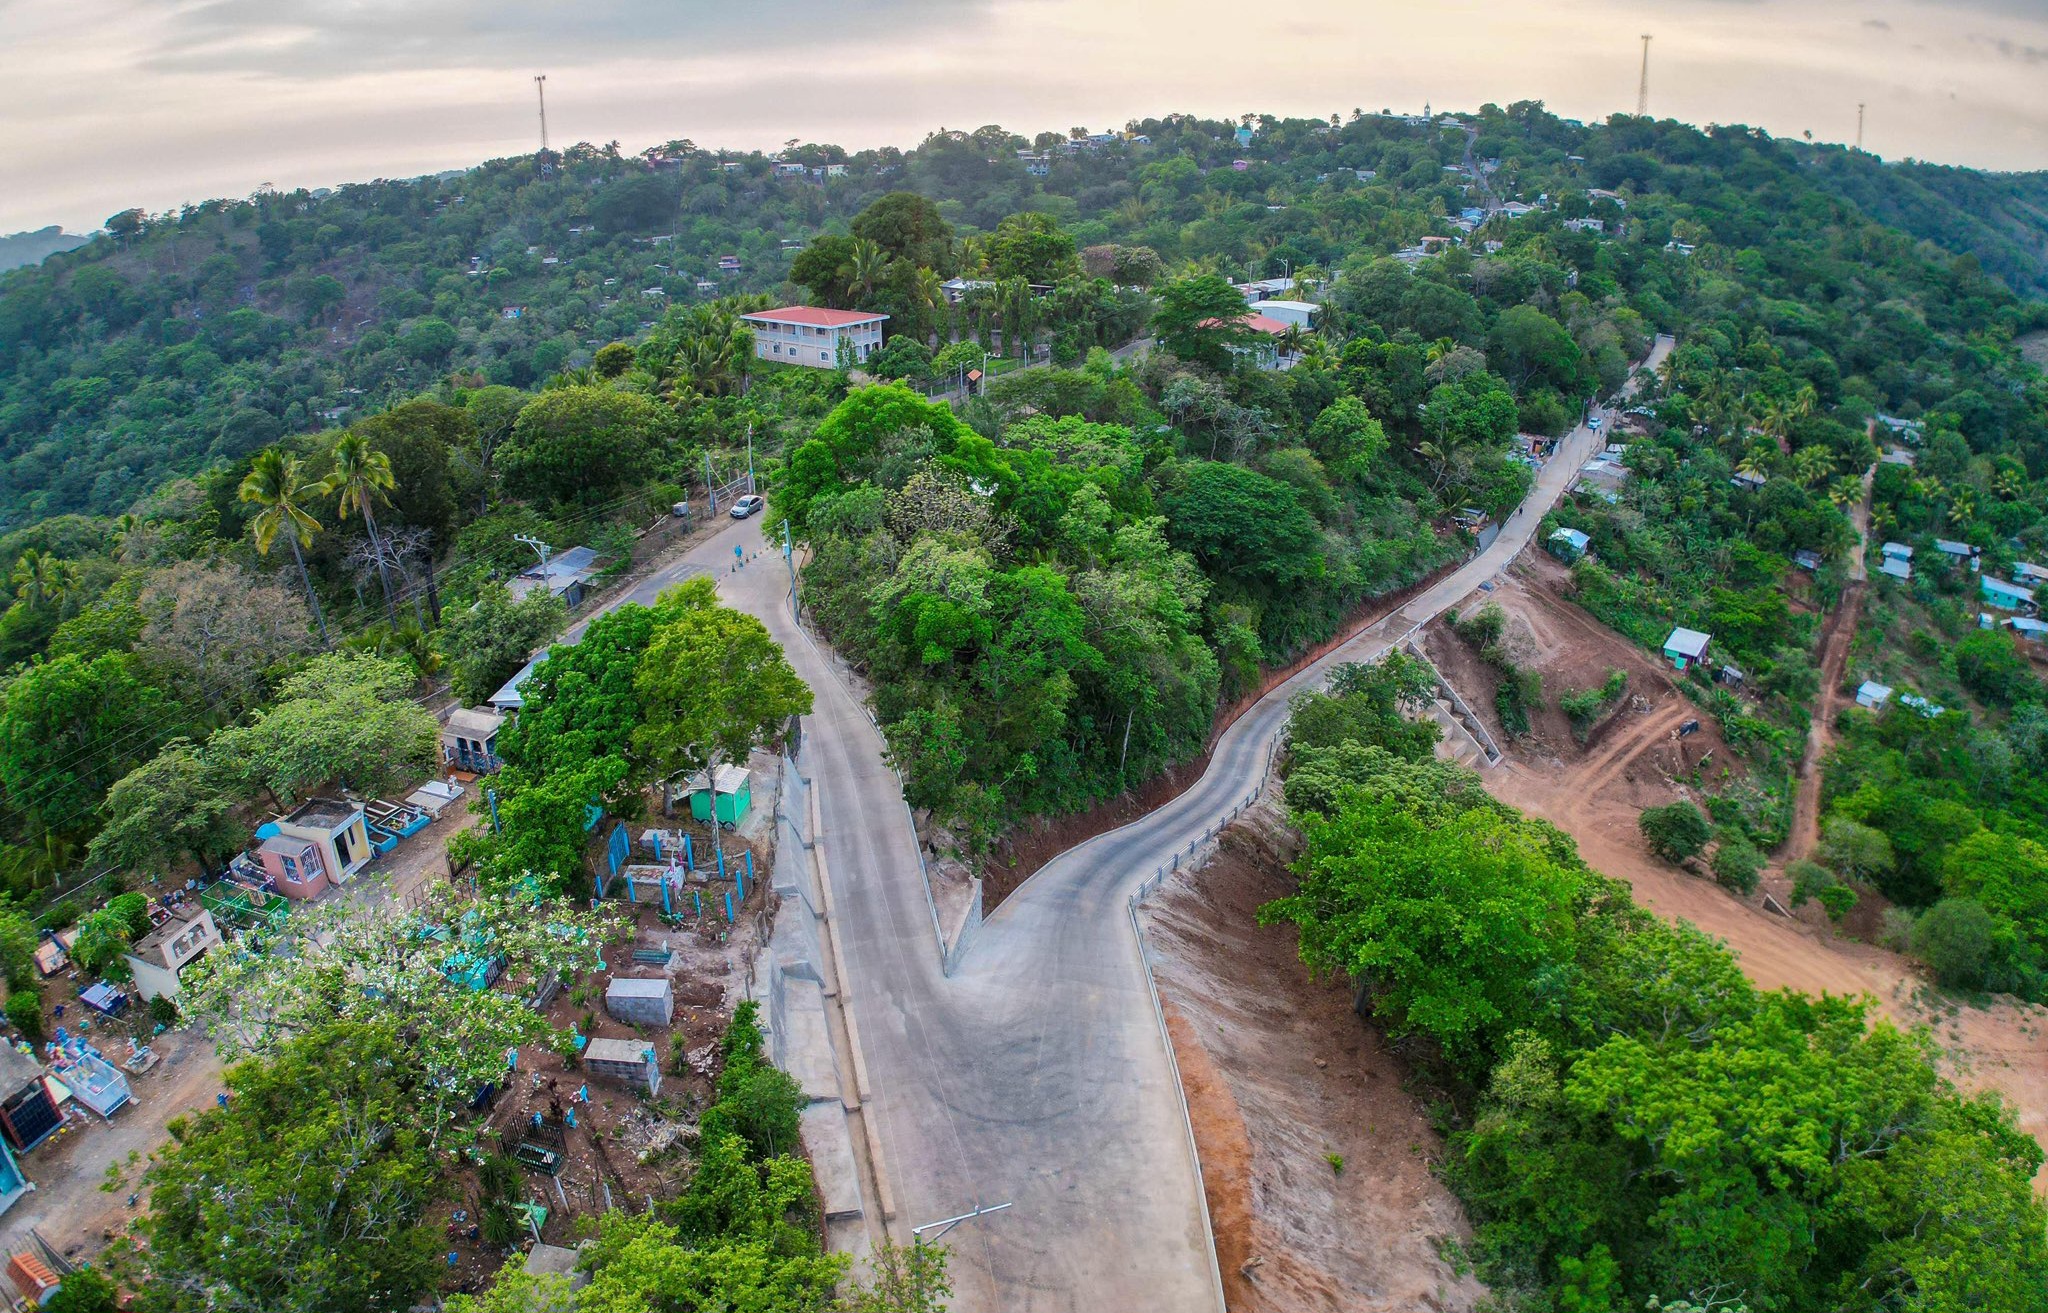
<point>118,103</point>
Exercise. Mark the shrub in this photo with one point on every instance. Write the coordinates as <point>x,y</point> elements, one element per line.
<point>1675,832</point>
<point>1838,899</point>
<point>163,1011</point>
<point>1483,630</point>
<point>1953,937</point>
<point>25,1013</point>
<point>133,912</point>
<point>1737,864</point>
<point>1809,880</point>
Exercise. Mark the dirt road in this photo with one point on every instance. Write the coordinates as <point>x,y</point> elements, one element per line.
<point>1836,640</point>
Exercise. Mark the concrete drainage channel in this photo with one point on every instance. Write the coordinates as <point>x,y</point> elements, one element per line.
<point>800,982</point>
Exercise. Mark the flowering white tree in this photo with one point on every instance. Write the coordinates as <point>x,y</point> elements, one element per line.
<point>411,969</point>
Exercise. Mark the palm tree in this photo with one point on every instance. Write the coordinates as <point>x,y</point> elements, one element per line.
<point>273,483</point>
<point>40,579</point>
<point>1814,464</point>
<point>865,267</point>
<point>928,293</point>
<point>362,475</point>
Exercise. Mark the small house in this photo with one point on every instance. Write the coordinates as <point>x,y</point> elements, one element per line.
<point>469,741</point>
<point>1959,553</point>
<point>1240,166</point>
<point>2006,596</point>
<point>2028,574</point>
<point>1896,552</point>
<point>1686,648</point>
<point>28,1111</point>
<point>640,1002</point>
<point>1872,694</point>
<point>1749,480</point>
<point>565,574</point>
<point>325,840</point>
<point>1898,456</point>
<point>1569,545</point>
<point>1807,561</point>
<point>158,957</point>
<point>507,697</point>
<point>1300,313</point>
<point>2032,630</point>
<point>1729,674</point>
<point>1895,568</point>
<point>732,790</point>
<point>633,1061</point>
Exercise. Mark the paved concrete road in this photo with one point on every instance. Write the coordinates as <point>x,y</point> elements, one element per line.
<point>1035,1076</point>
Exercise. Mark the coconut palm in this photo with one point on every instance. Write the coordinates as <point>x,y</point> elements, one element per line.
<point>928,294</point>
<point>362,475</point>
<point>1814,465</point>
<point>40,579</point>
<point>273,483</point>
<point>865,266</point>
<point>1845,491</point>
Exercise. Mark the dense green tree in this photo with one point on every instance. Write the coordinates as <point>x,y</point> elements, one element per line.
<point>488,641</point>
<point>173,806</point>
<point>1675,832</point>
<point>582,444</point>
<point>69,728</point>
<point>315,1151</point>
<point>1202,319</point>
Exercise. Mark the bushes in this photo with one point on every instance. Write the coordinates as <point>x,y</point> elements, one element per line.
<point>1954,938</point>
<point>1585,708</point>
<point>756,1101</point>
<point>1737,863</point>
<point>25,1013</point>
<point>1675,832</point>
<point>1519,689</point>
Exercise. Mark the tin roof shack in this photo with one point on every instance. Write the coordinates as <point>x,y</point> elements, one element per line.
<point>158,957</point>
<point>1872,694</point>
<point>1686,648</point>
<point>1568,545</point>
<point>28,1114</point>
<point>641,1002</point>
<point>2006,596</point>
<point>325,840</point>
<point>633,1061</point>
<point>735,795</point>
<point>566,574</point>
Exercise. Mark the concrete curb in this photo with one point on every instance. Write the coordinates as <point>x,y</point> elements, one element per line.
<point>1180,1096</point>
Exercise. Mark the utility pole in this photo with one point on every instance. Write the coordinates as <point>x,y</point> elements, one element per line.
<point>939,1228</point>
<point>1859,127</point>
<point>537,545</point>
<point>547,158</point>
<point>750,458</point>
<point>1643,87</point>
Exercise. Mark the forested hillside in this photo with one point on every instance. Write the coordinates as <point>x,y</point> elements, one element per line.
<point>181,340</point>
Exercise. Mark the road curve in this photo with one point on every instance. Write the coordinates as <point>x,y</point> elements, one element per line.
<point>1036,1074</point>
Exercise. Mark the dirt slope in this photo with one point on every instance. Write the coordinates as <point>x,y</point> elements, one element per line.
<point>1279,1072</point>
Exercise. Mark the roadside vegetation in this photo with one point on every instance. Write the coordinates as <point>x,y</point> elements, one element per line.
<point>1629,1120</point>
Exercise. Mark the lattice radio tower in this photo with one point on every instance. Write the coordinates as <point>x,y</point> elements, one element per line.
<point>1643,87</point>
<point>547,157</point>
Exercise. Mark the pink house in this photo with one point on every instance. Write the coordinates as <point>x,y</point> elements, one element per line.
<point>324,842</point>
<point>814,336</point>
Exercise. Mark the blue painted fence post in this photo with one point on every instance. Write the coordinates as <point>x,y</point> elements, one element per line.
<point>721,863</point>
<point>491,796</point>
<point>689,855</point>
<point>657,845</point>
<point>728,906</point>
<point>698,898</point>
<point>749,856</point>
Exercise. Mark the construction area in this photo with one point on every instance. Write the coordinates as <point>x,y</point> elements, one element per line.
<point>1640,754</point>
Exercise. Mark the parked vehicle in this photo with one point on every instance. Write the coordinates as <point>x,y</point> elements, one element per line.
<point>746,506</point>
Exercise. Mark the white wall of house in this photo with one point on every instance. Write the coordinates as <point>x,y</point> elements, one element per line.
<point>813,346</point>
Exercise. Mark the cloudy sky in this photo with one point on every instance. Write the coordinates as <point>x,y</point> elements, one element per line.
<point>115,103</point>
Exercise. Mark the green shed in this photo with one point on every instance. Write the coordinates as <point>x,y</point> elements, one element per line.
<point>732,789</point>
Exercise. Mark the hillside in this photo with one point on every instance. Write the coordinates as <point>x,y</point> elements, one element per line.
<point>17,249</point>
<point>189,339</point>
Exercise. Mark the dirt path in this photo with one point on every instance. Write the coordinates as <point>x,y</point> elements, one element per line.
<point>1839,636</point>
<point>1281,1072</point>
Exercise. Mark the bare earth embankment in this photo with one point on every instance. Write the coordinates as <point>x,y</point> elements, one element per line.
<point>1280,1072</point>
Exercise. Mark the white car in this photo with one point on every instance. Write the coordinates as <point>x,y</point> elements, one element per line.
<point>746,506</point>
<point>1594,423</point>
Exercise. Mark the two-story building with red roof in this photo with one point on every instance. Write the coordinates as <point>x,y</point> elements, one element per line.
<point>812,335</point>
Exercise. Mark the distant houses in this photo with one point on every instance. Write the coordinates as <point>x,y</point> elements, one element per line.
<point>1896,561</point>
<point>2007,596</point>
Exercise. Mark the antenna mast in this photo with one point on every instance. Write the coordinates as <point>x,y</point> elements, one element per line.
<point>1859,127</point>
<point>547,158</point>
<point>1643,87</point>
